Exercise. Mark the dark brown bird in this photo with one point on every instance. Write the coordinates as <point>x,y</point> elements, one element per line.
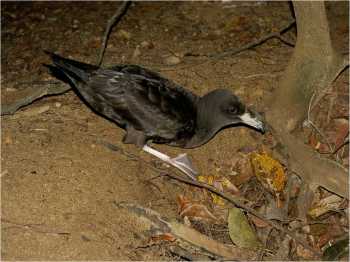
<point>152,108</point>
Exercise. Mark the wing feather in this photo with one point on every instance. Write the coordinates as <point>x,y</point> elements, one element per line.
<point>145,100</point>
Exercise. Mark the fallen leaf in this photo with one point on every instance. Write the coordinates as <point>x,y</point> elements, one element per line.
<point>222,184</point>
<point>305,253</point>
<point>313,140</point>
<point>194,210</point>
<point>240,231</point>
<point>244,170</point>
<point>163,237</point>
<point>325,205</point>
<point>268,171</point>
<point>338,250</point>
<point>342,130</point>
<point>258,222</point>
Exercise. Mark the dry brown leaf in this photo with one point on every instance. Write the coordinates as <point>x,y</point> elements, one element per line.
<point>244,170</point>
<point>222,184</point>
<point>342,130</point>
<point>163,237</point>
<point>258,222</point>
<point>194,210</point>
<point>313,142</point>
<point>325,205</point>
<point>305,253</point>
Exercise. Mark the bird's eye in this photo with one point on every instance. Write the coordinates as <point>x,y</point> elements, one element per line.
<point>232,110</point>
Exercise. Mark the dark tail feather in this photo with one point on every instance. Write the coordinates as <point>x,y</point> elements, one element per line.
<point>56,72</point>
<point>65,69</point>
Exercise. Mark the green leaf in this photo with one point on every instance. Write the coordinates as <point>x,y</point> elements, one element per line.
<point>338,250</point>
<point>240,231</point>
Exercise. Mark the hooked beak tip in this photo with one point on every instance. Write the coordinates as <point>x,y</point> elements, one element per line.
<point>262,129</point>
<point>254,120</point>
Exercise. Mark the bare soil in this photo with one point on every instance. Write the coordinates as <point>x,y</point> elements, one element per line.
<point>58,183</point>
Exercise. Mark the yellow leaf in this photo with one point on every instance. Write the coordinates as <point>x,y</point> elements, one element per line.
<point>269,171</point>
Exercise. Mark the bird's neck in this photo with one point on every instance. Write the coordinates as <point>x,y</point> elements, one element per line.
<point>205,126</point>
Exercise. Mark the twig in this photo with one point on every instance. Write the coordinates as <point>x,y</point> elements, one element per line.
<point>36,93</point>
<point>235,51</point>
<point>41,83</point>
<point>111,22</point>
<point>346,141</point>
<point>211,247</point>
<point>343,65</point>
<point>34,227</point>
<point>308,121</point>
<point>256,43</point>
<point>237,201</point>
<point>259,75</point>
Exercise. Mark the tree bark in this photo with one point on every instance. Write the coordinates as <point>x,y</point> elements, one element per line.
<point>313,67</point>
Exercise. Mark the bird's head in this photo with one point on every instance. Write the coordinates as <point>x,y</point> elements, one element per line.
<point>219,109</point>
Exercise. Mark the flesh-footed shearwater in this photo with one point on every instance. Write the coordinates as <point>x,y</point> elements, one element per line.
<point>152,108</point>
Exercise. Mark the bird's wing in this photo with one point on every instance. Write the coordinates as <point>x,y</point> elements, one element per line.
<point>146,101</point>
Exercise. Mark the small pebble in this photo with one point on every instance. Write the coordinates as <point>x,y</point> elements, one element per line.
<point>172,60</point>
<point>146,44</point>
<point>8,140</point>
<point>4,173</point>
<point>11,89</point>
<point>123,34</point>
<point>32,111</point>
<point>58,104</point>
<point>75,24</point>
<point>137,52</point>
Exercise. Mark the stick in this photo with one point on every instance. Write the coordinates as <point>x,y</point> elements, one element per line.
<point>344,64</point>
<point>35,93</point>
<point>187,234</point>
<point>111,22</point>
<point>39,228</point>
<point>235,51</point>
<point>277,35</point>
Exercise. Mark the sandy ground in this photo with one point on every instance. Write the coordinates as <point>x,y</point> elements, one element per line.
<point>58,183</point>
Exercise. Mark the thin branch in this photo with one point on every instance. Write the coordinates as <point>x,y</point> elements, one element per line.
<point>111,22</point>
<point>35,94</point>
<point>344,64</point>
<point>257,42</point>
<point>235,51</point>
<point>346,141</point>
<point>315,99</point>
<point>39,228</point>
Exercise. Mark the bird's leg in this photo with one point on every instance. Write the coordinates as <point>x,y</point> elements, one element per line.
<point>181,162</point>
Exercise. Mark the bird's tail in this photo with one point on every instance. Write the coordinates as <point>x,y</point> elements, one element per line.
<point>64,68</point>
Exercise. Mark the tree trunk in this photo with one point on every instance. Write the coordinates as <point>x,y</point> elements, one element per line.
<point>313,67</point>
